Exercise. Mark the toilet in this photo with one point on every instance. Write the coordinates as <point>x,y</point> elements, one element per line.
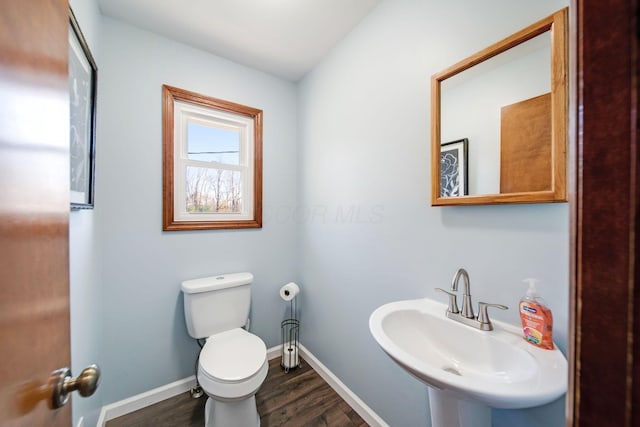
<point>233,362</point>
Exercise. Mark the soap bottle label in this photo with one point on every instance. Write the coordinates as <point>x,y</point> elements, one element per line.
<point>536,324</point>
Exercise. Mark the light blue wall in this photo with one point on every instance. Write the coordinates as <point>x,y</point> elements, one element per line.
<point>84,259</point>
<point>364,130</point>
<point>145,341</point>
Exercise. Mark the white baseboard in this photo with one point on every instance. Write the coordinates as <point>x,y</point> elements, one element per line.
<point>148,398</point>
<point>274,352</point>
<point>142,400</point>
<point>365,412</point>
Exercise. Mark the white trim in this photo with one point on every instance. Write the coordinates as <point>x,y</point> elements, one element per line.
<point>274,352</point>
<point>142,400</point>
<point>365,412</point>
<point>186,113</point>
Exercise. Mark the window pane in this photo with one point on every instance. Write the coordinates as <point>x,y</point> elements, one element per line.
<point>207,143</point>
<point>213,190</point>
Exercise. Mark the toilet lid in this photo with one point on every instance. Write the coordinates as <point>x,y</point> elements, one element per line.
<point>233,355</point>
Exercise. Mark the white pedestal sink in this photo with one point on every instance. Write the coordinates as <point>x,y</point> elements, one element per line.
<point>469,371</point>
<point>449,410</point>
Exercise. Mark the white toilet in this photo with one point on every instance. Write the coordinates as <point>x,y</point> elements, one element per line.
<point>233,362</point>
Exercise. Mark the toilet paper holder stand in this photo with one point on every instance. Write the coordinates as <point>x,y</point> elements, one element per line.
<point>290,327</point>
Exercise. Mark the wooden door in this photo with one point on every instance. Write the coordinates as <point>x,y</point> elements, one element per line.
<point>34,209</point>
<point>525,146</point>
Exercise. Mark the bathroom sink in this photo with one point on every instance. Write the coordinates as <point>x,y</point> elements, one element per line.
<point>496,368</point>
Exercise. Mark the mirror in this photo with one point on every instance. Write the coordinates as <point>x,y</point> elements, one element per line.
<point>499,121</point>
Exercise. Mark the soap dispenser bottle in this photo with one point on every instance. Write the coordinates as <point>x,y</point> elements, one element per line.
<point>536,317</point>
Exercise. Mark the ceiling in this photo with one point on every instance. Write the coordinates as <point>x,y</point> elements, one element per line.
<point>286,38</point>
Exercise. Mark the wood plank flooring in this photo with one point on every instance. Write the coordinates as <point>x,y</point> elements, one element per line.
<point>298,398</point>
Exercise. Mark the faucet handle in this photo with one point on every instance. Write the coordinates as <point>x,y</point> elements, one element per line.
<point>453,301</point>
<point>483,316</point>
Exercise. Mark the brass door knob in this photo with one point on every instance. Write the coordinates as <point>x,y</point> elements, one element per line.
<point>63,384</point>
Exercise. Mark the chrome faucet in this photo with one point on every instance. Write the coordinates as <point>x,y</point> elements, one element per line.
<point>466,316</point>
<point>467,306</point>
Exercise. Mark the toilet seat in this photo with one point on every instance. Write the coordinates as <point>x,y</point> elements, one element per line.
<point>233,364</point>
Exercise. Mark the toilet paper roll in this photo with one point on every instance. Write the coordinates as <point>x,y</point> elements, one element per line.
<point>290,356</point>
<point>289,291</point>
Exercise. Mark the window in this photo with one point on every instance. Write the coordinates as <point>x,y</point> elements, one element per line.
<point>212,163</point>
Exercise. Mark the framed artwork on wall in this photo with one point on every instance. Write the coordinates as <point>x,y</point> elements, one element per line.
<point>453,168</point>
<point>82,117</point>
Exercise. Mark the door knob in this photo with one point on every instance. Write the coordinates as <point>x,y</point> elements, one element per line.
<point>63,384</point>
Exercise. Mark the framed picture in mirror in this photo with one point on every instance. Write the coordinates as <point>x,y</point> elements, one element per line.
<point>454,179</point>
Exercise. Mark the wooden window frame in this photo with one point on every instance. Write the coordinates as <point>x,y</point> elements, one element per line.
<point>172,220</point>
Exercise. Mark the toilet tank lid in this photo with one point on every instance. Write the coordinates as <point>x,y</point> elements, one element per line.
<point>213,283</point>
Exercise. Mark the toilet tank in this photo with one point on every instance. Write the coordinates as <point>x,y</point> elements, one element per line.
<point>217,303</point>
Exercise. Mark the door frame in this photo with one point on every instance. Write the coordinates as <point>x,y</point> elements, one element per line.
<point>604,380</point>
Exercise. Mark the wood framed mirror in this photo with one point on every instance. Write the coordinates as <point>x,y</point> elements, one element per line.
<point>510,103</point>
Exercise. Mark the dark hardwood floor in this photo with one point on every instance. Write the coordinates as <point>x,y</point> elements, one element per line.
<point>298,398</point>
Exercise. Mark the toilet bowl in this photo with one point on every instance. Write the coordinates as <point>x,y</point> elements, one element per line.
<point>233,362</point>
<point>232,367</point>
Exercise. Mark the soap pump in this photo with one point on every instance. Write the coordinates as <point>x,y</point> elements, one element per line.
<point>536,317</point>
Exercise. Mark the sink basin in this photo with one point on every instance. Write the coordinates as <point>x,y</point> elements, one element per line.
<point>496,368</point>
